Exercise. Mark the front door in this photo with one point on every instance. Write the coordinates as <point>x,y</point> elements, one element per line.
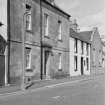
<point>46,63</point>
<point>82,67</point>
<point>2,70</point>
<point>2,60</point>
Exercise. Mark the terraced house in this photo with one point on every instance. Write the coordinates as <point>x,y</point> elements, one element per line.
<point>41,43</point>
<point>85,52</point>
<point>38,40</point>
<point>79,54</point>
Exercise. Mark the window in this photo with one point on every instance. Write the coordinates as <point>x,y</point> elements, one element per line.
<point>28,18</point>
<point>28,57</point>
<point>75,45</point>
<point>46,23</point>
<point>75,63</point>
<point>59,30</point>
<point>100,58</point>
<point>87,62</point>
<point>60,61</point>
<point>87,49</point>
<point>94,57</point>
<point>82,47</point>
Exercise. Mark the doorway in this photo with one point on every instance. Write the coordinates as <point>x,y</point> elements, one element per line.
<point>2,60</point>
<point>82,66</point>
<point>46,63</point>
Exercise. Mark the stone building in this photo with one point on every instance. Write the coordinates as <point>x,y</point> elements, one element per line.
<point>88,41</point>
<point>95,50</point>
<point>38,40</point>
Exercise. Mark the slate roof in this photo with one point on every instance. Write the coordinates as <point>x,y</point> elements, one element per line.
<point>83,36</point>
<point>103,43</point>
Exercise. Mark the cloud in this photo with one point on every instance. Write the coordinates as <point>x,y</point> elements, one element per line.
<point>68,5</point>
<point>3,11</point>
<point>95,20</point>
<point>3,18</point>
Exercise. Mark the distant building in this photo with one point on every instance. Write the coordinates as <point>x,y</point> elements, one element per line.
<point>103,54</point>
<point>79,54</point>
<point>95,50</point>
<point>85,41</point>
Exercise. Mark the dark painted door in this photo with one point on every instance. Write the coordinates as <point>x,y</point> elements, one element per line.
<point>2,60</point>
<point>82,68</point>
<point>2,70</point>
<point>46,60</point>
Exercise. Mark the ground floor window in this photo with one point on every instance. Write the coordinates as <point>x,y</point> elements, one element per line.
<point>60,61</point>
<point>28,57</point>
<point>75,63</point>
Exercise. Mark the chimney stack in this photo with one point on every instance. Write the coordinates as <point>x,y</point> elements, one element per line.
<point>74,25</point>
<point>95,28</point>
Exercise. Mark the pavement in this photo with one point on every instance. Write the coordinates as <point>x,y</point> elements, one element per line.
<point>8,90</point>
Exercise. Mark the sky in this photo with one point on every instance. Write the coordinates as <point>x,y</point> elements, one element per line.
<point>3,18</point>
<point>88,13</point>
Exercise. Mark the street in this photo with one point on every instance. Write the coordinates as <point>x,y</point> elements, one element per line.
<point>91,92</point>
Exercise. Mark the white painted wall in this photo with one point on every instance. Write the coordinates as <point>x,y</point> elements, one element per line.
<point>72,72</point>
<point>72,54</point>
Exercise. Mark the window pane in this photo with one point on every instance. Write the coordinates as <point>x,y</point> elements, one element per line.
<point>59,30</point>
<point>28,57</point>
<point>82,47</point>
<point>87,49</point>
<point>28,22</point>
<point>60,61</point>
<point>46,24</point>
<point>75,45</point>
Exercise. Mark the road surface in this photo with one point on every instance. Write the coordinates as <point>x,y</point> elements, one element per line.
<point>91,92</point>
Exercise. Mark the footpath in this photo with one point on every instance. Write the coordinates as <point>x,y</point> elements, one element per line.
<point>46,83</point>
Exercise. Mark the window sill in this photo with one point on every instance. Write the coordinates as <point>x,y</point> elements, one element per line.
<point>60,40</point>
<point>30,31</point>
<point>75,70</point>
<point>29,70</point>
<point>47,37</point>
<point>59,69</point>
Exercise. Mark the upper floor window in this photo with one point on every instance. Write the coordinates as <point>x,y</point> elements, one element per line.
<point>87,49</point>
<point>28,17</point>
<point>75,45</point>
<point>46,24</point>
<point>59,30</point>
<point>82,47</point>
<point>28,57</point>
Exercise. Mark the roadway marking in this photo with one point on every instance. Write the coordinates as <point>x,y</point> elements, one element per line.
<point>56,97</point>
